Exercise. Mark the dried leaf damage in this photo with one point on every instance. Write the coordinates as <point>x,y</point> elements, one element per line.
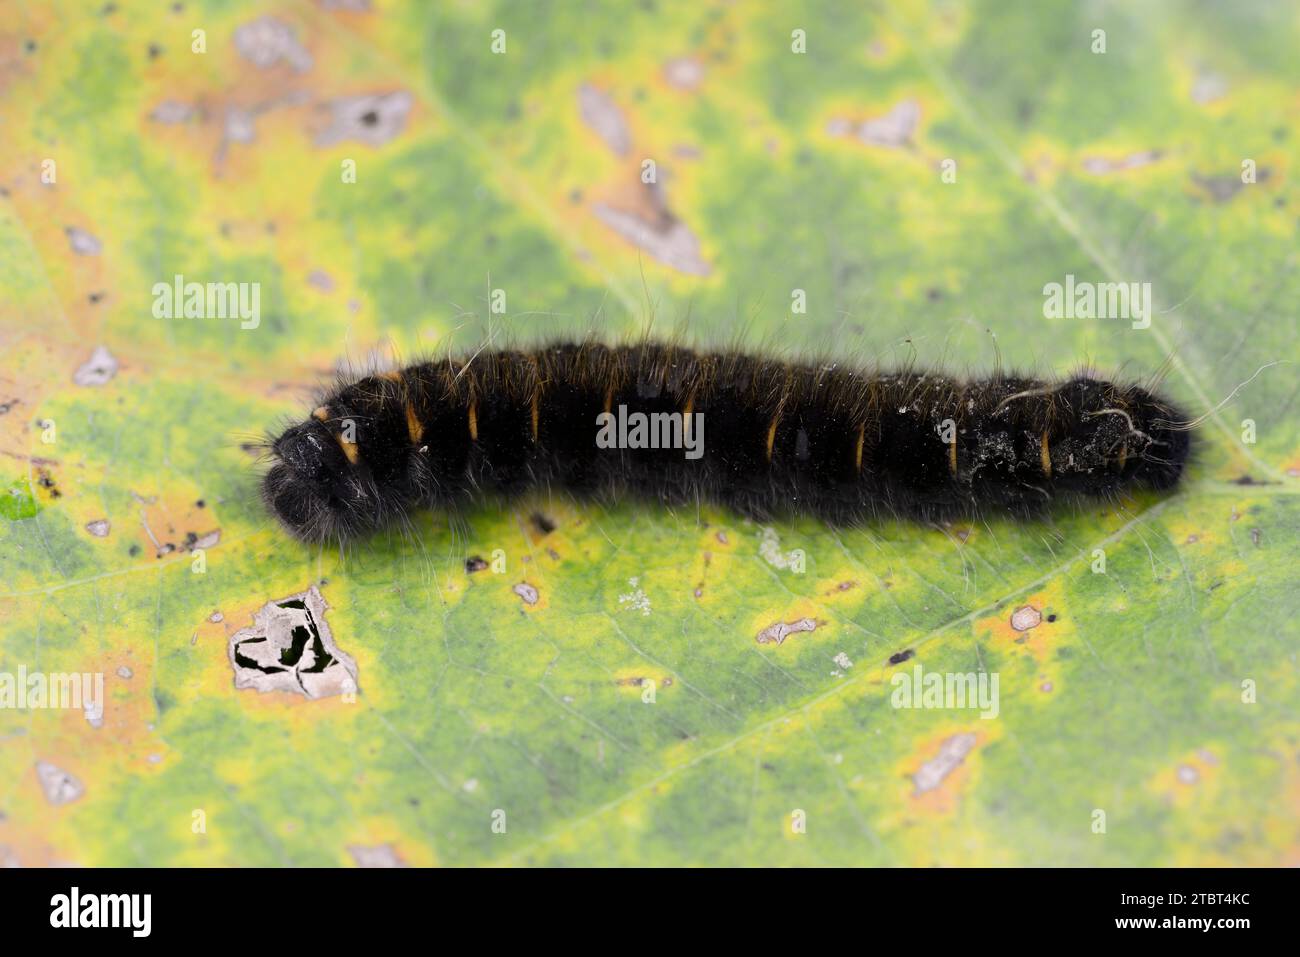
<point>952,753</point>
<point>290,648</point>
<point>779,632</point>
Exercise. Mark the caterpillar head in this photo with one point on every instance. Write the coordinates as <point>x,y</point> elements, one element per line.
<point>313,489</point>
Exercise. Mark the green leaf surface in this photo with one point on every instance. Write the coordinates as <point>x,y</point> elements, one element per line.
<point>604,695</point>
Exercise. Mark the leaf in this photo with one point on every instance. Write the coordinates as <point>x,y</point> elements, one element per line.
<point>637,685</point>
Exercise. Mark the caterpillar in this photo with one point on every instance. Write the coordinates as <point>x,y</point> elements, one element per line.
<point>759,435</point>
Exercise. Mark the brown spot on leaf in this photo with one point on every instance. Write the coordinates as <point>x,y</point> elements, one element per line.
<point>46,481</point>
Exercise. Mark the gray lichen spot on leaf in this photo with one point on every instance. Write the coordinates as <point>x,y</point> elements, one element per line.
<point>604,118</point>
<point>1208,87</point>
<point>267,41</point>
<point>952,752</point>
<point>668,240</point>
<point>382,855</point>
<point>240,125</point>
<point>82,242</point>
<point>684,73</point>
<point>527,592</point>
<point>372,119</point>
<point>777,633</point>
<point>895,128</point>
<point>654,227</point>
<point>290,648</point>
<point>1026,617</point>
<point>1223,187</point>
<point>171,112</point>
<point>98,369</point>
<point>1101,165</point>
<point>59,786</point>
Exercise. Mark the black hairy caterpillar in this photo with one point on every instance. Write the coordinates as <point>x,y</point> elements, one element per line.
<point>762,436</point>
